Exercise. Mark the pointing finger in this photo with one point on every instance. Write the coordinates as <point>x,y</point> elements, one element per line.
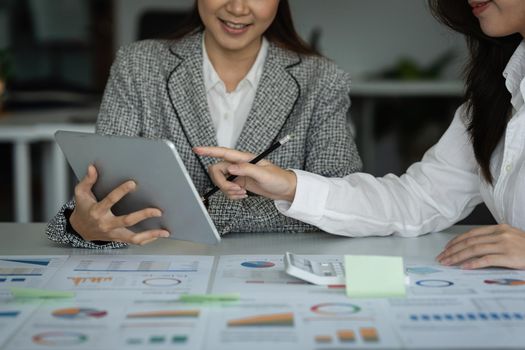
<point>227,154</point>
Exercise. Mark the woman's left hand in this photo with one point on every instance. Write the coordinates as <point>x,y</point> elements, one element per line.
<point>499,245</point>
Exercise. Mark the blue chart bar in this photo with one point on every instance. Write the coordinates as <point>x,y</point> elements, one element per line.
<point>469,316</point>
<point>39,262</point>
<point>17,279</point>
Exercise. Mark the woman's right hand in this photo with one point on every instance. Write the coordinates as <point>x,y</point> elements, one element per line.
<point>263,178</point>
<point>94,220</point>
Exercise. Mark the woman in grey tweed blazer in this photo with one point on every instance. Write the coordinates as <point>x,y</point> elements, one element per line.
<point>156,90</point>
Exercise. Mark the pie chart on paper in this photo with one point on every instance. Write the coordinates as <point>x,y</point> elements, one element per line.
<point>258,264</point>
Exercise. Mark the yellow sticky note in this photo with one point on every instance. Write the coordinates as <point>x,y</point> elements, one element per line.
<point>374,276</point>
<point>33,293</point>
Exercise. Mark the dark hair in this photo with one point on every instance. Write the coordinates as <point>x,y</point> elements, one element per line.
<point>281,32</point>
<point>488,101</point>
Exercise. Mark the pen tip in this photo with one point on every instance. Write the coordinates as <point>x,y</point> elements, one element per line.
<point>286,139</point>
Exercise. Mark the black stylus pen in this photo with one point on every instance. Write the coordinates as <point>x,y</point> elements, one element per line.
<point>253,161</point>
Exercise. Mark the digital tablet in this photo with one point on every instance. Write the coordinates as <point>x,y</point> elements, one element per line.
<point>162,181</point>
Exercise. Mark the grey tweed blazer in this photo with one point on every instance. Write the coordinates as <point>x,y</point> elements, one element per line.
<point>156,90</point>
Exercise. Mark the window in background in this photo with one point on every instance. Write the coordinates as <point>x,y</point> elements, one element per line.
<point>59,46</point>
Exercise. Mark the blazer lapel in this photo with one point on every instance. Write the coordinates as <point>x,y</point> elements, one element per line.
<point>274,101</point>
<point>188,96</point>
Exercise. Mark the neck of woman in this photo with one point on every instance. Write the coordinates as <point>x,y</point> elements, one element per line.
<point>232,65</point>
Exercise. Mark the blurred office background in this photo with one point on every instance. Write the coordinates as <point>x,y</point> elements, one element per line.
<point>55,57</point>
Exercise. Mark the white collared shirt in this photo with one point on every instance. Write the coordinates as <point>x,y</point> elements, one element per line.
<point>435,193</point>
<point>229,110</point>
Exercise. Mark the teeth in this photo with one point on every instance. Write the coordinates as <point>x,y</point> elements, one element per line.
<point>235,25</point>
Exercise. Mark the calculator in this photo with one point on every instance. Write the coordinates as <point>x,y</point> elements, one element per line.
<point>320,273</point>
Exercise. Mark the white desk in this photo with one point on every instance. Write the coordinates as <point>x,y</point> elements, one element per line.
<point>29,239</point>
<point>22,129</point>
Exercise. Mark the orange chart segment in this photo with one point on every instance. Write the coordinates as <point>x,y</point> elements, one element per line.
<point>369,334</point>
<point>282,319</point>
<point>323,339</point>
<point>346,335</point>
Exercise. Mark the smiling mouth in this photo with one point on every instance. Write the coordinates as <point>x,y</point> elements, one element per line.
<point>233,25</point>
<point>479,4</point>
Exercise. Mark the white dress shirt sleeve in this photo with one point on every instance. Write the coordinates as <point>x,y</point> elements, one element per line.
<point>434,193</point>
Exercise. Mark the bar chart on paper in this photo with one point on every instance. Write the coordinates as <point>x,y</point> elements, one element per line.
<point>27,271</point>
<point>134,274</point>
<point>477,322</point>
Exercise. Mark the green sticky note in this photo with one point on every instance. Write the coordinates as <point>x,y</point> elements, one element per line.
<point>374,276</point>
<point>33,293</point>
<point>207,298</point>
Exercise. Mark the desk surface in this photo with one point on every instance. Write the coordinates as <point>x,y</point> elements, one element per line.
<point>29,239</point>
<point>394,324</point>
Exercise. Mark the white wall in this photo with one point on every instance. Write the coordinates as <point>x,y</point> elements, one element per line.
<point>362,36</point>
<point>366,35</point>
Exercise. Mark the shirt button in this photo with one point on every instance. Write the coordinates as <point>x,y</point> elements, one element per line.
<point>508,168</point>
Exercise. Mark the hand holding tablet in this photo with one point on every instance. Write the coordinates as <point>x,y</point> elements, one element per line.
<point>95,221</point>
<point>136,191</point>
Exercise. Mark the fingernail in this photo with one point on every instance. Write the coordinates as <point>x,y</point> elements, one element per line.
<point>445,262</point>
<point>165,234</point>
<point>233,168</point>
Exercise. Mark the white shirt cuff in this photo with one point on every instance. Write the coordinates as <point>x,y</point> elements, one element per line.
<point>310,198</point>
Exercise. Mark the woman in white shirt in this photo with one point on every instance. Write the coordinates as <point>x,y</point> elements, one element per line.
<point>236,75</point>
<point>481,157</point>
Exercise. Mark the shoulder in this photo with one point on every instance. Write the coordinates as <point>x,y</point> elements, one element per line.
<point>322,73</point>
<point>143,52</point>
